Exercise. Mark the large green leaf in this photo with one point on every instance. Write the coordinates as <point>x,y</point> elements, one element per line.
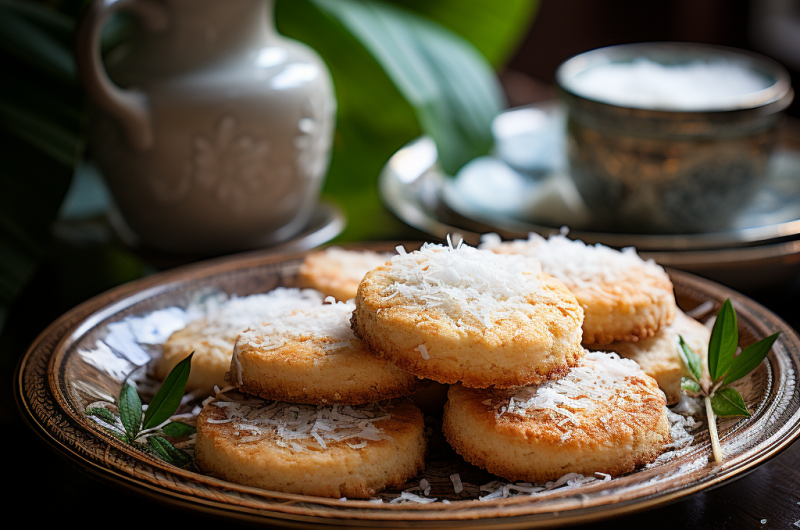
<point>452,88</point>
<point>494,27</point>
<point>373,119</point>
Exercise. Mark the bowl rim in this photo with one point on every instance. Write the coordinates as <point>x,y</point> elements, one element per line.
<point>777,96</point>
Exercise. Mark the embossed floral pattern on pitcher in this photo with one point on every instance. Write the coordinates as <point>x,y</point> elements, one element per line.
<point>229,165</point>
<point>225,141</point>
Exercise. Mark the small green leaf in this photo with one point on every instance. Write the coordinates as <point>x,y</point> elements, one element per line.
<point>118,435</point>
<point>178,429</point>
<point>102,413</point>
<point>130,410</point>
<point>158,448</point>
<point>168,452</point>
<point>689,385</point>
<point>749,359</point>
<point>168,398</point>
<point>724,341</point>
<point>690,359</point>
<point>728,402</point>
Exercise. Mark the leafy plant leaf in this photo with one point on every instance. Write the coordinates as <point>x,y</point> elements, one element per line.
<point>102,413</point>
<point>178,429</point>
<point>689,385</point>
<point>724,341</point>
<point>495,28</point>
<point>749,359</point>
<point>130,410</point>
<point>373,118</point>
<point>168,398</point>
<point>728,402</point>
<point>690,359</point>
<point>452,88</point>
<point>168,452</point>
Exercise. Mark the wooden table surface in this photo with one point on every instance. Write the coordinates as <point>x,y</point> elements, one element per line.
<point>50,491</point>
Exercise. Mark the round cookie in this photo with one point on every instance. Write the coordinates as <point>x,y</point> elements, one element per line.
<point>310,355</point>
<point>326,451</point>
<point>659,357</point>
<point>212,338</point>
<point>462,314</point>
<point>337,272</point>
<point>605,416</point>
<point>624,298</point>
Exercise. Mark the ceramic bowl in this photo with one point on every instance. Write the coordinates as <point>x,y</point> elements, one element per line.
<point>655,169</point>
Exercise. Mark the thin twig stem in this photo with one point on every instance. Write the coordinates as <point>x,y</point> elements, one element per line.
<point>712,430</point>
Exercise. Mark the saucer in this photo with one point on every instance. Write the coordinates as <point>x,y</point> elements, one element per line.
<point>531,190</point>
<point>327,222</point>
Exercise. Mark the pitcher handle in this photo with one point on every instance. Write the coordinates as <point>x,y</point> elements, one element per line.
<point>129,107</point>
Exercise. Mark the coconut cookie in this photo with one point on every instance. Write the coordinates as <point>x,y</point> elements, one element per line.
<point>624,298</point>
<point>212,338</point>
<point>310,355</point>
<point>659,356</point>
<point>605,416</point>
<point>337,272</point>
<point>327,451</point>
<point>462,314</point>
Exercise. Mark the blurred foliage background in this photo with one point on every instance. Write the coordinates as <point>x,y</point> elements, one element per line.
<point>400,68</point>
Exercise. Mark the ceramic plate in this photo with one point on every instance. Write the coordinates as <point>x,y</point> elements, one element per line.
<point>531,190</point>
<point>85,355</point>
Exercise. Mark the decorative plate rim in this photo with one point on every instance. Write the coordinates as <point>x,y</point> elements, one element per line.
<point>50,346</point>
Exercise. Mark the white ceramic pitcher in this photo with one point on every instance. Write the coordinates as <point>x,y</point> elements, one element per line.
<point>212,130</point>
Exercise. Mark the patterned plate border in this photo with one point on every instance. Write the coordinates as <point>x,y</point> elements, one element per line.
<point>44,401</point>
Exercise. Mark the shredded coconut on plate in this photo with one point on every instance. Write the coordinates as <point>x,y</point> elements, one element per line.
<point>458,487</point>
<point>411,497</point>
<point>463,280</point>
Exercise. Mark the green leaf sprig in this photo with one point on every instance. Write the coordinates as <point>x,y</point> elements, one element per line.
<point>724,367</point>
<point>147,429</point>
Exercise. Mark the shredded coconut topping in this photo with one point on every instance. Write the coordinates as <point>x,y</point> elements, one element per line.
<point>463,280</point>
<point>329,322</point>
<point>574,262</point>
<point>301,427</point>
<point>225,320</point>
<point>599,379</point>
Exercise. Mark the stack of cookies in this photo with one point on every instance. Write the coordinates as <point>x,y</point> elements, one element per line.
<point>528,402</point>
<point>317,409</point>
<point>629,305</point>
<point>312,410</point>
